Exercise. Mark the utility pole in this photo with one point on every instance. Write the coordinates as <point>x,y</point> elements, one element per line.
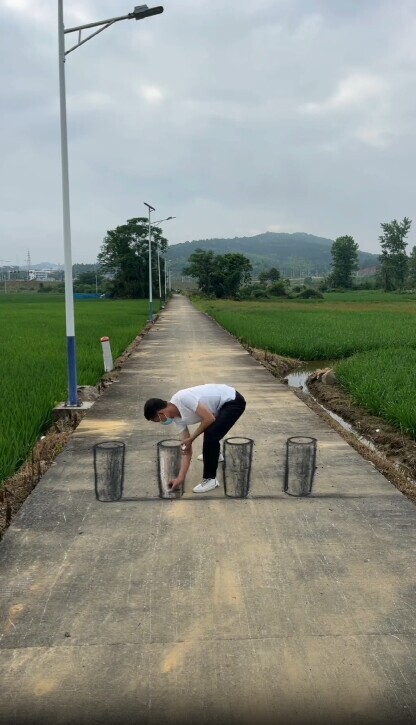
<point>28,262</point>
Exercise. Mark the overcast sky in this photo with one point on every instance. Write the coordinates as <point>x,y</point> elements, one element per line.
<point>236,117</point>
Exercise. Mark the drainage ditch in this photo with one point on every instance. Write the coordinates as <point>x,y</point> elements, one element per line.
<point>298,379</point>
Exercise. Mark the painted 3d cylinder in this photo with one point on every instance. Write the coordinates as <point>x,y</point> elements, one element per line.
<point>300,465</point>
<point>169,458</point>
<point>238,453</point>
<point>109,470</point>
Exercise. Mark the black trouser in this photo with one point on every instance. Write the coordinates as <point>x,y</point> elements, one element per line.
<point>228,414</point>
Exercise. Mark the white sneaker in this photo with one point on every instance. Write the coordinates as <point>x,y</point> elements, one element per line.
<point>207,484</point>
<point>220,460</point>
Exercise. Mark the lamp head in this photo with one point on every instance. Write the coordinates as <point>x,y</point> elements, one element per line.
<point>143,11</point>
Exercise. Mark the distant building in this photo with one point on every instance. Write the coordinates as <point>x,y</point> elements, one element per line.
<point>41,274</point>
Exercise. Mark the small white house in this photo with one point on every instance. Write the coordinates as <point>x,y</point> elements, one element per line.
<point>40,274</point>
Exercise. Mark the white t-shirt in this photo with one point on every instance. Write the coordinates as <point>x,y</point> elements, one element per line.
<point>211,395</point>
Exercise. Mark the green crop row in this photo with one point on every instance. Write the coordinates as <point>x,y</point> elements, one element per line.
<point>33,361</point>
<point>383,382</point>
<point>317,330</point>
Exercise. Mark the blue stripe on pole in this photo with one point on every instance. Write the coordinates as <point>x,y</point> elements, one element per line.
<point>72,371</point>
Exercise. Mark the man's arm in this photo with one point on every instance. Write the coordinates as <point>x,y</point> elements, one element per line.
<point>185,463</point>
<point>208,418</point>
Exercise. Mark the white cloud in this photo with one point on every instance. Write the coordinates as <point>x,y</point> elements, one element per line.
<point>39,11</point>
<point>152,94</point>
<point>373,136</point>
<point>354,91</point>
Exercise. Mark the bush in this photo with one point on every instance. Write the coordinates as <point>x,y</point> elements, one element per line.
<point>365,284</point>
<point>252,291</point>
<point>278,289</point>
<point>310,293</point>
<point>323,285</point>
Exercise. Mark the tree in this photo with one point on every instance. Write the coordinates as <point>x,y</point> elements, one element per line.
<point>220,275</point>
<point>201,266</point>
<point>269,275</point>
<point>124,256</point>
<point>344,261</point>
<point>235,270</point>
<point>393,258</point>
<point>411,280</point>
<point>278,289</point>
<point>89,278</point>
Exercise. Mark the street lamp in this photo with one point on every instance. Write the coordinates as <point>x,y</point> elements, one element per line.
<point>158,257</point>
<point>140,12</point>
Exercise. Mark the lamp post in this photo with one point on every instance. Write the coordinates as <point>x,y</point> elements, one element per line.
<point>140,12</point>
<point>166,275</point>
<point>158,258</point>
<point>150,209</point>
<point>5,275</point>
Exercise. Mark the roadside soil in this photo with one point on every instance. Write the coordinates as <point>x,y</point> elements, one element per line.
<point>395,452</point>
<point>17,488</point>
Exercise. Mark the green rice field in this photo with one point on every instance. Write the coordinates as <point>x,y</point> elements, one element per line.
<point>33,360</point>
<point>318,330</point>
<point>383,382</point>
<point>371,334</point>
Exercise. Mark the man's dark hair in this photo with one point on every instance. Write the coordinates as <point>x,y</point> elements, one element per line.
<point>152,406</point>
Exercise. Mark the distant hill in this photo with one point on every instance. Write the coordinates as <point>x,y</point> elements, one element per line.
<point>291,254</point>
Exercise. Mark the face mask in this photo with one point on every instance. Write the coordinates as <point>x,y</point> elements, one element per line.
<point>168,421</point>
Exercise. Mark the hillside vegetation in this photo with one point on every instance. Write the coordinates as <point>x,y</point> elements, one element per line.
<point>291,254</point>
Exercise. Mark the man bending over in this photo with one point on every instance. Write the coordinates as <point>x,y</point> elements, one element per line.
<point>215,408</point>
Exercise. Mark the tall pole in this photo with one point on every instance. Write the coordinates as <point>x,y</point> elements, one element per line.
<point>69,297</point>
<point>158,261</point>
<point>150,209</point>
<point>150,273</point>
<point>158,270</point>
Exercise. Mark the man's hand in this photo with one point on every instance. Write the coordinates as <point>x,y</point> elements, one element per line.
<point>186,446</point>
<point>176,483</point>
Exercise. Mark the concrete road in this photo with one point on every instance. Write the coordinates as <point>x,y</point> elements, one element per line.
<point>271,609</point>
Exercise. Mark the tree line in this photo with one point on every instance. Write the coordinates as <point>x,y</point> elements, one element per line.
<point>124,260</point>
<point>397,270</point>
